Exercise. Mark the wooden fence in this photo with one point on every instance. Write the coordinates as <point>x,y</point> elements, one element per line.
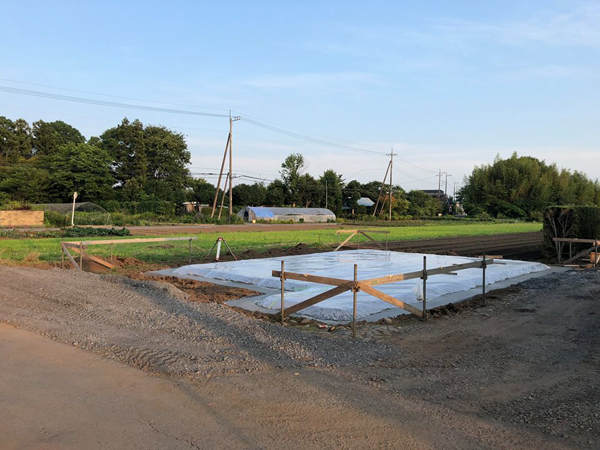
<point>593,250</point>
<point>80,247</point>
<point>342,285</point>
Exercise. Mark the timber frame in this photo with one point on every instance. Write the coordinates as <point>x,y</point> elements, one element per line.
<point>367,286</point>
<point>364,233</point>
<point>593,250</point>
<point>80,247</point>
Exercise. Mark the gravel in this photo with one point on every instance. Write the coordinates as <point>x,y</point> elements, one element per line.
<point>151,326</point>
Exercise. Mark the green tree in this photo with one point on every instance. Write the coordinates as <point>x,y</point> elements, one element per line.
<point>249,194</point>
<point>167,159</point>
<point>335,184</point>
<point>201,191</point>
<point>24,182</point>
<point>276,192</point>
<point>125,144</point>
<point>422,205</point>
<point>49,136</point>
<point>81,168</point>
<point>291,170</point>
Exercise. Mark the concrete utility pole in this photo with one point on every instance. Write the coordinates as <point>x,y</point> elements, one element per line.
<point>439,184</point>
<point>391,172</point>
<point>326,195</point>
<point>446,188</point>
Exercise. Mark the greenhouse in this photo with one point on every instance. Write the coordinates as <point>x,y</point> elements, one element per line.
<point>262,213</point>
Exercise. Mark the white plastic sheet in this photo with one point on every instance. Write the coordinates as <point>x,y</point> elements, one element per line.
<point>371,264</point>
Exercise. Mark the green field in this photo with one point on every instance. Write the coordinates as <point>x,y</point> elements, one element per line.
<point>48,249</point>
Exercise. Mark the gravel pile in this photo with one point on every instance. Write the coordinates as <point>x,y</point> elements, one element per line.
<point>151,326</point>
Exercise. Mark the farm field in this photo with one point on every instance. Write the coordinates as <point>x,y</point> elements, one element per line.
<point>31,250</point>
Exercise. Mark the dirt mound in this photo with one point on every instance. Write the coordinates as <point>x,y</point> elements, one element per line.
<point>200,291</point>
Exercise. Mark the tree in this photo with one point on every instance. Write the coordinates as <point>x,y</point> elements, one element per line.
<point>167,157</point>
<point>81,168</point>
<point>125,144</point>
<point>334,183</point>
<point>522,186</point>
<point>310,191</point>
<point>49,136</point>
<point>15,140</point>
<point>24,183</point>
<point>276,191</point>
<point>249,194</point>
<point>291,170</point>
<point>201,191</point>
<point>422,205</point>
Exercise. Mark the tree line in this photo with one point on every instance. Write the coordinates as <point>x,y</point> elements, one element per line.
<point>46,162</point>
<point>523,187</point>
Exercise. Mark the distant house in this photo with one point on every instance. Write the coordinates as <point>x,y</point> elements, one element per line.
<point>436,193</point>
<point>250,213</point>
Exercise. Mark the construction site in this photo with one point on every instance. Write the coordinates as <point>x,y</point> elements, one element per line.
<point>368,343</point>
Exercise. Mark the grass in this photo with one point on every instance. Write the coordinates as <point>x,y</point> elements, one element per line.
<point>21,250</point>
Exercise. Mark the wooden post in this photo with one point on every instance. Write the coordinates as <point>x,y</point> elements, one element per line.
<point>483,265</point>
<point>424,287</point>
<point>81,256</point>
<point>570,250</point>
<point>190,251</point>
<point>62,257</point>
<point>282,292</point>
<point>355,294</point>
<point>111,253</point>
<point>596,256</point>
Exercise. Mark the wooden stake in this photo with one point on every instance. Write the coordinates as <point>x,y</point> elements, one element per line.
<point>80,256</point>
<point>355,294</point>
<point>424,287</point>
<point>190,251</point>
<point>282,292</point>
<point>483,265</point>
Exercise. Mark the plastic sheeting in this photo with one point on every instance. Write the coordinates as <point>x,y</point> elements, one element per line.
<point>371,264</point>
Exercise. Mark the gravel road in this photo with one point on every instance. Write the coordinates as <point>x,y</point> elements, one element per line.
<point>521,372</point>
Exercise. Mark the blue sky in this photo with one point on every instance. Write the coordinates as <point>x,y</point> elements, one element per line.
<point>447,84</point>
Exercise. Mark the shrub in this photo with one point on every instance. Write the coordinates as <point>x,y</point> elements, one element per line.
<point>582,222</point>
<point>56,219</point>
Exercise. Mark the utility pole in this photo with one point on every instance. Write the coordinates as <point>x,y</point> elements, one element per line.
<point>439,184</point>
<point>229,176</point>
<point>381,191</point>
<point>446,188</point>
<point>326,195</point>
<point>391,172</point>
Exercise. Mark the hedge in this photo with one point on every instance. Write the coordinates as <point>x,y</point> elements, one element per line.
<point>581,222</point>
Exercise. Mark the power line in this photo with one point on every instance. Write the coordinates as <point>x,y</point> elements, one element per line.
<point>308,138</point>
<point>112,96</point>
<point>91,101</point>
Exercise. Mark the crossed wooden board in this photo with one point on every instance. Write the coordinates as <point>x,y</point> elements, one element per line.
<point>342,285</point>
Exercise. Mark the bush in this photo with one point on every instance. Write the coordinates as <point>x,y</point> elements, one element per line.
<point>88,231</point>
<point>56,219</point>
<point>582,222</point>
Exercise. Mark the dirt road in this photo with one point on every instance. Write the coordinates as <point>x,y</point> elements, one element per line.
<point>523,372</point>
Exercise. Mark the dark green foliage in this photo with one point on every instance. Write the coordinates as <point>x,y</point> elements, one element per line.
<point>248,195</point>
<point>521,186</point>
<point>581,222</point>
<point>90,232</point>
<point>80,168</point>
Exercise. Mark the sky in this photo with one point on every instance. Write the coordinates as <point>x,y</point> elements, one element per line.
<point>447,84</point>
